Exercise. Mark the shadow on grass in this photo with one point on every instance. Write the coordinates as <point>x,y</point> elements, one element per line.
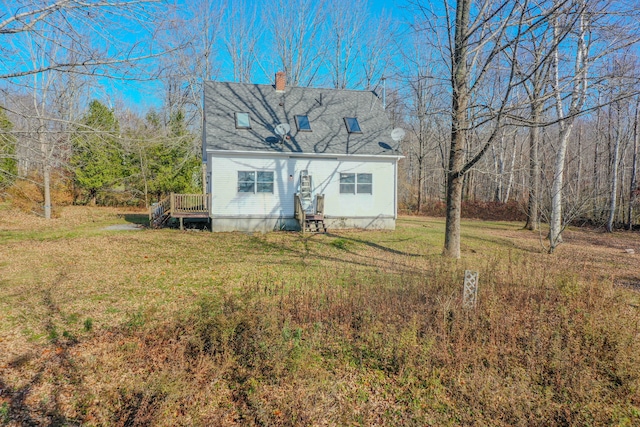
<point>55,370</point>
<point>375,245</point>
<point>307,253</point>
<point>58,366</point>
<point>56,359</point>
<point>16,409</point>
<point>139,219</point>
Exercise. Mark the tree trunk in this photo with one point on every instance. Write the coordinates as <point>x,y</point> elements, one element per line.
<point>555,223</point>
<point>614,181</point>
<point>460,100</point>
<point>596,180</point>
<point>634,168</point>
<point>454,203</point>
<point>579,171</point>
<point>420,184</point>
<point>534,168</point>
<point>46,182</point>
<point>498,164</point>
<point>513,163</point>
<point>46,169</point>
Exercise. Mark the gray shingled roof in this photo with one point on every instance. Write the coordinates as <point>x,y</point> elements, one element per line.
<point>326,109</point>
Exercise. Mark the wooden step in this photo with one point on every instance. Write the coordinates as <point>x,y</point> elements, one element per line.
<point>315,224</point>
<point>161,220</point>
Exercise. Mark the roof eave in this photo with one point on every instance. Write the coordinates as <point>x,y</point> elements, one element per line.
<point>302,154</point>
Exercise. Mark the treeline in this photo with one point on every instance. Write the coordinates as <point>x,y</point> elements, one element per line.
<point>58,55</point>
<point>602,154</point>
<point>104,159</point>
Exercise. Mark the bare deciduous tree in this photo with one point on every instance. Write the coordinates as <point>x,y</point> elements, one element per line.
<point>296,42</point>
<point>344,34</point>
<point>598,30</point>
<point>425,109</point>
<point>241,39</point>
<point>88,35</point>
<point>633,185</point>
<point>477,44</point>
<point>42,41</point>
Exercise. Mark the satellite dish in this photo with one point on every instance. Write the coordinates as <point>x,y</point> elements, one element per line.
<point>397,134</point>
<point>282,129</point>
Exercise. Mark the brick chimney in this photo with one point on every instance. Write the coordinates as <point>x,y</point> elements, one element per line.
<point>281,79</point>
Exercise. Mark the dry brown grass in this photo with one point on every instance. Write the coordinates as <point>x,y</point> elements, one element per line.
<point>27,195</point>
<point>164,327</point>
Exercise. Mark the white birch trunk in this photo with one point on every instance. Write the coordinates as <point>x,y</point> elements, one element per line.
<point>513,162</point>
<point>578,95</point>
<point>613,200</point>
<point>555,224</point>
<point>634,168</point>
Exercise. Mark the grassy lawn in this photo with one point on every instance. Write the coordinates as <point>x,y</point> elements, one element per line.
<point>103,326</point>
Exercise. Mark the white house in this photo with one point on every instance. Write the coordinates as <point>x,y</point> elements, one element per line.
<point>338,144</point>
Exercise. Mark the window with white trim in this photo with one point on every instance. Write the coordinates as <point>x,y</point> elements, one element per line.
<point>264,183</point>
<point>364,183</point>
<point>303,124</point>
<point>243,121</point>
<point>255,182</point>
<point>356,183</point>
<point>352,125</point>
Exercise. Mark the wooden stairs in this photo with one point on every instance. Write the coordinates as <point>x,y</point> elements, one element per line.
<point>310,215</point>
<point>310,221</point>
<point>314,224</point>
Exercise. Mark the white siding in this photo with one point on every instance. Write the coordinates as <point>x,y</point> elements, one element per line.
<point>226,201</point>
<point>325,172</point>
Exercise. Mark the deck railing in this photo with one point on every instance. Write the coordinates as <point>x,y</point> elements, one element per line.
<point>160,209</point>
<point>189,204</point>
<point>298,211</point>
<point>179,206</point>
<point>320,204</point>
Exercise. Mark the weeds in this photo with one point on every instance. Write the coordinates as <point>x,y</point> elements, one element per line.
<point>4,412</point>
<point>391,353</point>
<point>136,320</point>
<point>340,243</point>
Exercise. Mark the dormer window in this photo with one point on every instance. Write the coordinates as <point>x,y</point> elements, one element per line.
<point>302,122</point>
<point>352,125</point>
<point>243,121</point>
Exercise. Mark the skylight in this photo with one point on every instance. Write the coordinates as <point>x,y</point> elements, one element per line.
<point>352,125</point>
<point>243,121</point>
<point>303,123</point>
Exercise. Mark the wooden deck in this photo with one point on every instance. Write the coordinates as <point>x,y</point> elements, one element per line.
<point>179,206</point>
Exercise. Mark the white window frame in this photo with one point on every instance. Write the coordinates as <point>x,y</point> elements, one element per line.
<point>357,123</point>
<point>237,117</point>
<point>298,123</point>
<point>359,183</point>
<point>256,182</point>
